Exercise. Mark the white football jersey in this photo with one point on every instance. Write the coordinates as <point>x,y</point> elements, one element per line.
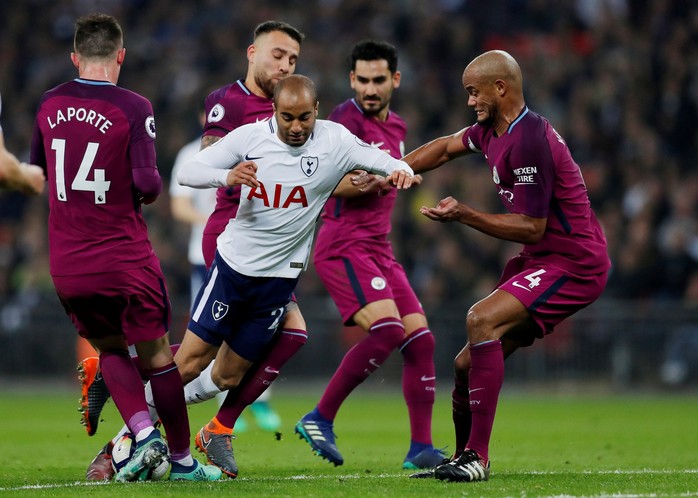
<point>272,233</point>
<point>202,200</point>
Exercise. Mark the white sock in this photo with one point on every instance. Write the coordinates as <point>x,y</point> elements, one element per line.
<point>187,461</point>
<point>151,403</point>
<point>144,433</point>
<point>202,388</point>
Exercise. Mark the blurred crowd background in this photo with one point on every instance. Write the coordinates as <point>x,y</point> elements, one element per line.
<point>617,78</point>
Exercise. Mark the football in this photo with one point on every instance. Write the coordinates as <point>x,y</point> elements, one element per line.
<point>122,452</point>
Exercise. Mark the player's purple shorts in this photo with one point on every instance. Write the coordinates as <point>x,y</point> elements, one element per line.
<point>548,292</point>
<point>366,273</point>
<point>130,302</point>
<point>243,311</point>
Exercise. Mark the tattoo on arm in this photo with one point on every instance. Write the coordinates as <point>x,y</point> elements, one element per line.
<point>208,140</point>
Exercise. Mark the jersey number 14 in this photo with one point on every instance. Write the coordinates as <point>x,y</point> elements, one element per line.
<point>99,185</point>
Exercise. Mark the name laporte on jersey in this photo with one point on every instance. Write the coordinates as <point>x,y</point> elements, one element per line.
<point>81,114</point>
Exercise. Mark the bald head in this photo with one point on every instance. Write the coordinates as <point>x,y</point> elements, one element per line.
<point>496,65</point>
<point>296,108</point>
<point>297,85</point>
<point>495,87</point>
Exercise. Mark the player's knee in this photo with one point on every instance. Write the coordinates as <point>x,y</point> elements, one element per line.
<point>478,325</point>
<point>225,381</point>
<point>392,336</point>
<point>188,371</point>
<point>226,376</point>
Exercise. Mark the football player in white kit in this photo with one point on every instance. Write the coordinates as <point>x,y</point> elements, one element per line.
<point>288,166</point>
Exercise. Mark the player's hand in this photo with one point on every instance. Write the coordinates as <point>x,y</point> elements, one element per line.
<point>369,183</point>
<point>448,209</point>
<point>35,178</point>
<point>244,173</point>
<point>416,180</point>
<point>401,179</point>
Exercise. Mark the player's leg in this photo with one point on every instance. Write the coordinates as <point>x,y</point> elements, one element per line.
<point>487,321</point>
<point>419,390</point>
<point>196,353</point>
<point>97,305</point>
<point>531,299</point>
<point>148,311</point>
<point>215,438</point>
<point>418,370</point>
<point>283,346</point>
<point>385,333</point>
<point>262,303</point>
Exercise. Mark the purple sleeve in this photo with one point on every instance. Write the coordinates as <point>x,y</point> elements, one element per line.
<point>146,176</point>
<point>222,112</point>
<point>472,138</point>
<point>533,190</point>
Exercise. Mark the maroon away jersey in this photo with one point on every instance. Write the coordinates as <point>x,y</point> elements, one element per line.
<point>227,108</point>
<point>535,175</point>
<point>96,142</point>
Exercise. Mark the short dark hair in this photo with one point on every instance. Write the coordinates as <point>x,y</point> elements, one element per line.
<point>269,26</point>
<point>296,82</point>
<point>97,36</point>
<point>371,50</point>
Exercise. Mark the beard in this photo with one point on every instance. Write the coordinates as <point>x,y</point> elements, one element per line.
<point>492,113</point>
<point>267,85</point>
<point>377,106</point>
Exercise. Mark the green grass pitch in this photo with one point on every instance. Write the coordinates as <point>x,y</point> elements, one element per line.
<point>542,445</point>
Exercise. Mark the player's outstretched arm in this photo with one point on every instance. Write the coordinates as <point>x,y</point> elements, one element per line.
<point>437,152</point>
<point>512,227</point>
<point>25,178</point>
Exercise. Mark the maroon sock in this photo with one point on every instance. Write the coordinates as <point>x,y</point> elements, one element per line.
<point>419,382</point>
<point>384,336</point>
<point>261,375</point>
<point>168,395</point>
<point>126,389</point>
<point>462,418</point>
<point>142,371</point>
<point>485,382</point>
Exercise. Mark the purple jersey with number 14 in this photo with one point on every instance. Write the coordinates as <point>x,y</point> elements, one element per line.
<point>95,141</point>
<point>535,175</point>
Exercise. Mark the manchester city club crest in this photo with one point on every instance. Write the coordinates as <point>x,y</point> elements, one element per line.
<point>309,165</point>
<point>219,310</point>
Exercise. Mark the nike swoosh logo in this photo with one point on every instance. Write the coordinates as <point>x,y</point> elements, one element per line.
<point>248,158</point>
<point>427,379</point>
<point>205,442</point>
<point>270,370</point>
<point>476,389</point>
<point>199,397</point>
<point>373,362</point>
<point>516,283</point>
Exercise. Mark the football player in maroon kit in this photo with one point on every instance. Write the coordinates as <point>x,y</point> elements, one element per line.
<point>96,143</point>
<point>562,268</point>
